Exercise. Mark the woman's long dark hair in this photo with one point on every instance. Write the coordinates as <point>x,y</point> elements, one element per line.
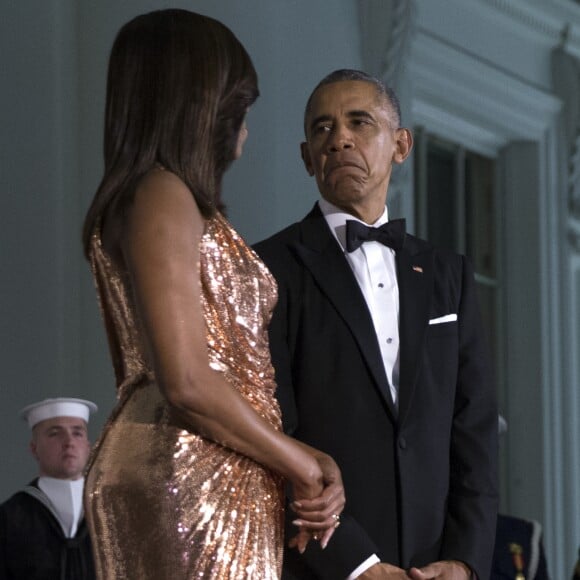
<point>178,88</point>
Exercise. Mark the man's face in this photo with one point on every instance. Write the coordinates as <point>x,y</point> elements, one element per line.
<point>61,447</point>
<point>351,144</point>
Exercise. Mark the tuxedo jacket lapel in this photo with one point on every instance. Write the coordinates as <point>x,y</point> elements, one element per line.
<point>322,256</point>
<point>415,280</point>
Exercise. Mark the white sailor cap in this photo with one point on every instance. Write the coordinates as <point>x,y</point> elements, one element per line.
<point>59,407</point>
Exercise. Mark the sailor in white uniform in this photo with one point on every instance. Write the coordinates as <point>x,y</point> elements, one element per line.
<point>43,535</point>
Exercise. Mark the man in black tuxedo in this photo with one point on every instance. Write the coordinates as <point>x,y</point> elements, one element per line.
<point>380,358</point>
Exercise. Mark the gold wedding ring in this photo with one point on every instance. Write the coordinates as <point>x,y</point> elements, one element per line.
<point>336,519</point>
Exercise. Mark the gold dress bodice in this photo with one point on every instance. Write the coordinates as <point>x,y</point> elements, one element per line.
<point>162,502</point>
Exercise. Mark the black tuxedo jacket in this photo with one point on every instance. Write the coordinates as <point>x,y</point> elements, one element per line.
<point>420,480</point>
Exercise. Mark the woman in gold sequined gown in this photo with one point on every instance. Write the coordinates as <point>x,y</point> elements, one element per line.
<point>186,480</point>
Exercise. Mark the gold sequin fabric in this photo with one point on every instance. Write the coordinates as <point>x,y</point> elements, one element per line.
<point>162,502</point>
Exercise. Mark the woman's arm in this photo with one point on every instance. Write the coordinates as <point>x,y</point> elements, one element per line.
<point>160,246</point>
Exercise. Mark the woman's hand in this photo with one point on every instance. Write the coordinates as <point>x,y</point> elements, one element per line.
<point>318,517</point>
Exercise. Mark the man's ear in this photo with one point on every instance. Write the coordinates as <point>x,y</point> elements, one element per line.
<point>306,158</point>
<point>404,144</point>
<point>32,447</point>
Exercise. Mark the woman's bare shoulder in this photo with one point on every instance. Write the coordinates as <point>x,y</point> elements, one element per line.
<point>162,204</point>
<point>162,190</point>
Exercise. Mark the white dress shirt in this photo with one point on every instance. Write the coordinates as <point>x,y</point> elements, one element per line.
<point>373,266</point>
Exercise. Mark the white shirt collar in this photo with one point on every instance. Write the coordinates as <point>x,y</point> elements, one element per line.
<point>67,498</point>
<point>336,220</point>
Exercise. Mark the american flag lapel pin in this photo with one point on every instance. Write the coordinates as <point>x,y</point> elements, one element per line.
<point>418,269</point>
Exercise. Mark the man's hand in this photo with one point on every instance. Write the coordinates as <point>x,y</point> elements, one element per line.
<point>445,570</point>
<point>318,518</point>
<point>383,571</point>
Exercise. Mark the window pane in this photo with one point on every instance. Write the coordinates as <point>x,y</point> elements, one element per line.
<point>441,215</point>
<point>480,214</point>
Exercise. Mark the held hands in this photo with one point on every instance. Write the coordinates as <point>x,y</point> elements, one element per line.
<point>318,516</point>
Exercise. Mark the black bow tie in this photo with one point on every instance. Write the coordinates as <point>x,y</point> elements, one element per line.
<point>391,234</point>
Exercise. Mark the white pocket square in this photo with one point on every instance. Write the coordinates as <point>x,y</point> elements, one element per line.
<point>446,318</point>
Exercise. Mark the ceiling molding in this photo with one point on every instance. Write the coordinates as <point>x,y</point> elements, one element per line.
<point>471,101</point>
<point>543,21</point>
<point>556,20</point>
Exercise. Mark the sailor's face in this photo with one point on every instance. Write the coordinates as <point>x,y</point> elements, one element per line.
<point>61,447</point>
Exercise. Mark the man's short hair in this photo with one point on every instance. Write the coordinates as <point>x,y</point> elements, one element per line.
<point>347,74</point>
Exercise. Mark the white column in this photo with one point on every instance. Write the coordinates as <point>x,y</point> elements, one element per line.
<point>387,28</point>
